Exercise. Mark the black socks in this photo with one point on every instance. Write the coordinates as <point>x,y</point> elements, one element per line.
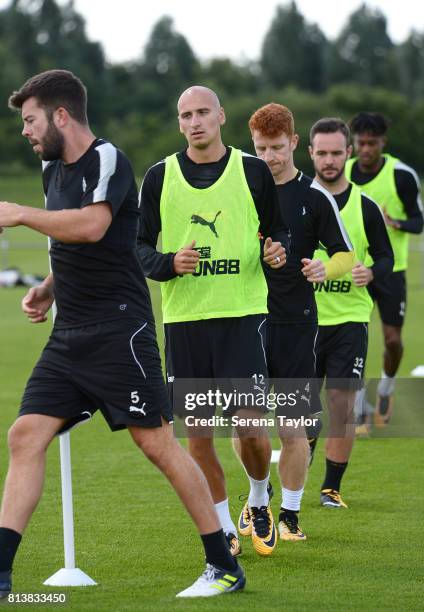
<point>9,542</point>
<point>217,551</point>
<point>333,475</point>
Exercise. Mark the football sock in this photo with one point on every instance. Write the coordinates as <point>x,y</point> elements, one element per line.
<point>386,385</point>
<point>290,500</point>
<point>258,495</point>
<point>217,551</point>
<point>333,475</point>
<point>224,516</point>
<point>9,542</point>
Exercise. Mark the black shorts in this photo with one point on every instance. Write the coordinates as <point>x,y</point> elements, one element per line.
<point>341,355</point>
<point>390,295</point>
<point>291,355</point>
<point>290,350</point>
<point>228,353</point>
<point>113,367</point>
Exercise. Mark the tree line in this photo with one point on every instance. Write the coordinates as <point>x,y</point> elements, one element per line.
<point>133,104</point>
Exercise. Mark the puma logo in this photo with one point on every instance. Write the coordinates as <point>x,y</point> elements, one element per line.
<point>202,221</point>
<point>136,409</point>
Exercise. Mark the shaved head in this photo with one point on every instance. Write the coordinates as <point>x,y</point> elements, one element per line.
<point>199,92</point>
<point>200,117</point>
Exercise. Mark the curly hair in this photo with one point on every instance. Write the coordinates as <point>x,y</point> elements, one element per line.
<point>371,123</point>
<point>271,120</point>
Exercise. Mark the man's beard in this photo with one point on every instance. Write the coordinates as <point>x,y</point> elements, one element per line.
<point>52,144</point>
<point>332,179</point>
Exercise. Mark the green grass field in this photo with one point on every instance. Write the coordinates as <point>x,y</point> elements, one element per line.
<point>133,537</point>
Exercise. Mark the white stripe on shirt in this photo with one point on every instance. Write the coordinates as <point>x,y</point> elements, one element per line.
<point>108,158</point>
<point>331,199</point>
<point>401,166</point>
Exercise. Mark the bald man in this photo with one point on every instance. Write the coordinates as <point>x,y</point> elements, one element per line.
<point>212,202</point>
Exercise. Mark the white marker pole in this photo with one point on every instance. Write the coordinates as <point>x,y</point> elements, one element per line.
<point>68,575</point>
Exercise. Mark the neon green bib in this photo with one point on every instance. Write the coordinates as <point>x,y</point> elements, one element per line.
<point>341,301</point>
<point>223,221</point>
<point>382,189</point>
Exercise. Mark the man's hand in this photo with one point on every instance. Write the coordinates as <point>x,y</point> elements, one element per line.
<point>9,214</point>
<point>37,302</point>
<point>389,221</point>
<point>274,254</point>
<point>186,259</point>
<point>362,275</point>
<point>314,270</point>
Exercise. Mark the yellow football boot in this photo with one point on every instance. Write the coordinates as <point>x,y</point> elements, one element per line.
<point>288,527</point>
<point>264,532</point>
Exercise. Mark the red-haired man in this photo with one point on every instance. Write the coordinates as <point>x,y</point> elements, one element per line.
<point>312,217</point>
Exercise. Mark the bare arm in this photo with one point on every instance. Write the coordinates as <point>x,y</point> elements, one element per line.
<point>88,224</point>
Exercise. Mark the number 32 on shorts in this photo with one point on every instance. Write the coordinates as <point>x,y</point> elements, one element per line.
<point>358,366</point>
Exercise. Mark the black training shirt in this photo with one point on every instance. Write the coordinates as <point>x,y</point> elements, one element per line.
<point>312,216</point>
<point>159,266</point>
<point>103,280</point>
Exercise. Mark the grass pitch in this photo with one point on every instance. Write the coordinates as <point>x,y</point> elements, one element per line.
<point>134,539</point>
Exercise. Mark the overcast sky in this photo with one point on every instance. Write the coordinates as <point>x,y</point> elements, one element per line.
<point>233,28</point>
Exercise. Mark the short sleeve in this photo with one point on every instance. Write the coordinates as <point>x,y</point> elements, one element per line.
<point>108,178</point>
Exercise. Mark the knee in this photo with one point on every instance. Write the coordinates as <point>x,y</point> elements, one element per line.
<point>23,440</point>
<point>201,449</point>
<point>254,445</point>
<point>293,443</point>
<point>339,401</point>
<point>151,449</point>
<point>159,447</point>
<point>393,343</point>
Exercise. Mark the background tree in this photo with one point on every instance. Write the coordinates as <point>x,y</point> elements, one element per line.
<point>229,78</point>
<point>361,52</point>
<point>410,64</point>
<point>134,103</point>
<point>168,65</point>
<point>293,51</point>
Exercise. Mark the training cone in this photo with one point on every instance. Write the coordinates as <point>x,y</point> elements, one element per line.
<point>70,577</point>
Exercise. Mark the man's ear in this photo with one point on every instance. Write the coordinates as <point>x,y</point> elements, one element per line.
<point>61,117</point>
<point>294,142</point>
<point>222,118</point>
